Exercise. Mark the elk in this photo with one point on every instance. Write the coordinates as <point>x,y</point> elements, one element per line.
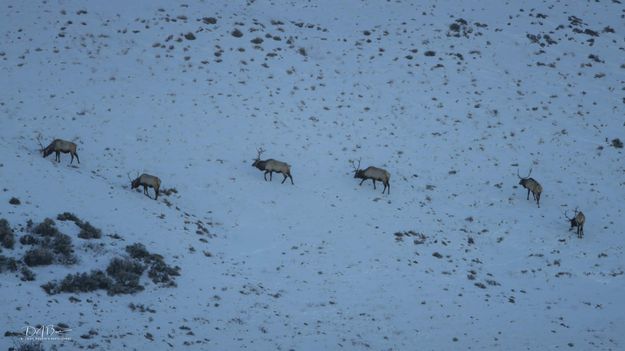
<point>57,146</point>
<point>531,185</point>
<point>148,181</point>
<point>577,221</point>
<point>374,174</point>
<point>271,165</point>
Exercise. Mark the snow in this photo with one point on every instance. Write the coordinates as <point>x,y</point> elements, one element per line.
<point>316,265</point>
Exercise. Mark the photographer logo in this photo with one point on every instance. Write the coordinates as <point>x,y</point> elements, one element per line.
<point>46,333</point>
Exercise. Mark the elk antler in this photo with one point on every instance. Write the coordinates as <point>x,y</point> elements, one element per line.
<point>260,152</point>
<point>566,215</point>
<point>518,175</point>
<point>353,163</point>
<point>130,179</point>
<point>39,141</point>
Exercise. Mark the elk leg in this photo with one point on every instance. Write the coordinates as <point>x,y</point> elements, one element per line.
<point>77,159</point>
<point>538,200</point>
<point>72,161</point>
<point>389,188</point>
<point>155,194</point>
<point>528,194</point>
<point>285,176</point>
<point>291,179</point>
<point>270,176</point>
<point>265,175</point>
<point>361,182</point>
<point>58,156</point>
<point>373,184</point>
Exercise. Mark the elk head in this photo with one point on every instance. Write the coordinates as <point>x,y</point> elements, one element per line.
<point>358,173</point>
<point>572,220</point>
<point>134,183</point>
<point>523,180</point>
<point>42,149</point>
<point>257,162</point>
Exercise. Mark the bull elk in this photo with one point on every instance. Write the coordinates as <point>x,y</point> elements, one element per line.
<point>373,173</point>
<point>147,181</point>
<point>271,165</point>
<point>57,146</point>
<point>577,221</point>
<point>531,185</point>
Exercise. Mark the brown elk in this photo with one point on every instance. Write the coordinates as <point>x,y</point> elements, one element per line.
<point>578,221</point>
<point>374,174</point>
<point>531,185</point>
<point>147,181</point>
<point>271,165</point>
<point>57,146</point>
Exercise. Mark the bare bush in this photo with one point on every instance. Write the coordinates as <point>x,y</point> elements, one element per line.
<point>7,237</point>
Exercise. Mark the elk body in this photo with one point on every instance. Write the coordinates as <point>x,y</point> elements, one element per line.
<point>59,145</point>
<point>373,173</point>
<point>148,181</point>
<point>532,186</point>
<point>577,221</point>
<point>271,165</point>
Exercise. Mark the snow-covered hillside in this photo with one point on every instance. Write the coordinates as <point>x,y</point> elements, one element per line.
<point>451,97</point>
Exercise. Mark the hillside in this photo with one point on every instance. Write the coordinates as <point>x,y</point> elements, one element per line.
<point>452,98</point>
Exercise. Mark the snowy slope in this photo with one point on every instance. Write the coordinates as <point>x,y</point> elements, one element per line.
<point>451,97</point>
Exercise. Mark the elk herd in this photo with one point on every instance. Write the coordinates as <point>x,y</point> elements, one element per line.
<point>269,166</point>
